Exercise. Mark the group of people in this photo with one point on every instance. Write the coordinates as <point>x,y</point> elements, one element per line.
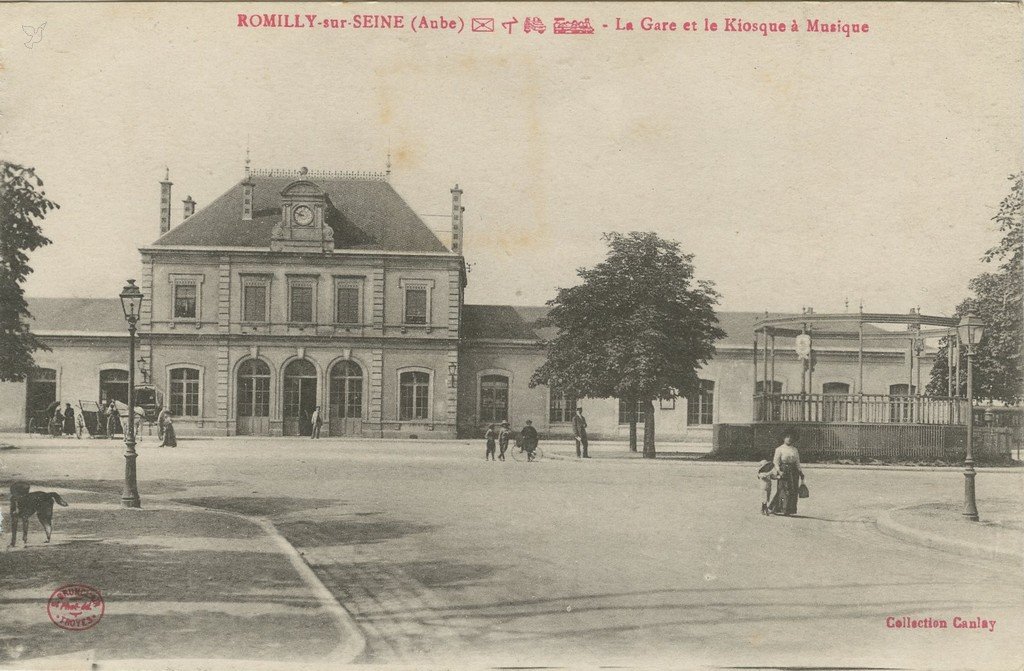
<point>498,437</point>
<point>784,469</point>
<point>66,422</point>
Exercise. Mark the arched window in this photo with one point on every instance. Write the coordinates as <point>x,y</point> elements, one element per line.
<point>835,402</point>
<point>113,386</point>
<point>700,407</point>
<point>346,394</point>
<point>184,392</point>
<point>413,396</point>
<point>493,398</point>
<point>254,389</point>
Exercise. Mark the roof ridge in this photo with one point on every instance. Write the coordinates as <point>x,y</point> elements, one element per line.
<point>301,173</point>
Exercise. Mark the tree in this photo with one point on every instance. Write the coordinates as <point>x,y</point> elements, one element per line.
<point>20,206</point>
<point>637,328</point>
<point>998,300</point>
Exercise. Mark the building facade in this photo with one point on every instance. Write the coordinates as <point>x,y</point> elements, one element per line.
<point>298,289</point>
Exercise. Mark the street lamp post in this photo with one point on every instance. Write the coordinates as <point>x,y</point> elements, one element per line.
<point>131,303</point>
<point>970,331</point>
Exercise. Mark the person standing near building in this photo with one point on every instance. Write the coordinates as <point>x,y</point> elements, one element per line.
<point>504,434</point>
<point>161,422</point>
<point>317,421</point>
<point>787,469</point>
<point>57,422</point>
<point>528,439</point>
<point>69,420</point>
<point>579,430</point>
<point>490,438</point>
<point>113,420</point>
<point>170,439</point>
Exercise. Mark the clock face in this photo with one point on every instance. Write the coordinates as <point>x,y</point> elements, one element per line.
<point>302,215</point>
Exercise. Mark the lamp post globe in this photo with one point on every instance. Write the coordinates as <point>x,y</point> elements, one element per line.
<point>970,330</point>
<point>131,304</point>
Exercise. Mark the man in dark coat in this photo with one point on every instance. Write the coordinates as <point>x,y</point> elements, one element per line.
<point>69,420</point>
<point>504,434</point>
<point>528,439</point>
<point>579,430</point>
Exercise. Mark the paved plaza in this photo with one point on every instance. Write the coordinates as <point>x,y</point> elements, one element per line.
<point>437,556</point>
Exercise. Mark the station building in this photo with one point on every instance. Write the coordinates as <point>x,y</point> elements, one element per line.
<point>295,289</point>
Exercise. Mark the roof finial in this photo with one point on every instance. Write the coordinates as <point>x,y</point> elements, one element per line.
<point>167,174</point>
<point>247,171</point>
<point>862,305</point>
<point>387,170</point>
<point>846,304</point>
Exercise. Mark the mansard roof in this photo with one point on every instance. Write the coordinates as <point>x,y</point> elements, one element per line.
<point>365,213</point>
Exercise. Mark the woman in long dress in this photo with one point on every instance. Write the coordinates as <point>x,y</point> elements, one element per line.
<point>113,420</point>
<point>170,440</point>
<point>787,466</point>
<point>57,422</point>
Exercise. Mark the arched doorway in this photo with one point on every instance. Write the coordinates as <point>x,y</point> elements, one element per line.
<point>253,416</point>
<point>346,399</point>
<point>299,397</point>
<point>40,394</point>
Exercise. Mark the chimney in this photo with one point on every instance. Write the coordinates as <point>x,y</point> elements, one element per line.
<point>188,206</point>
<point>457,211</point>
<point>247,196</point>
<point>165,203</point>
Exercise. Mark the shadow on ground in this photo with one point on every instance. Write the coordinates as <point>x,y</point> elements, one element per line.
<point>260,505</point>
<point>348,531</point>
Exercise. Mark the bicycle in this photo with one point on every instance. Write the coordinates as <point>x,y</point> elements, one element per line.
<point>519,454</point>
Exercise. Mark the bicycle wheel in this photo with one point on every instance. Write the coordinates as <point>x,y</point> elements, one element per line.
<point>521,455</point>
<point>518,454</point>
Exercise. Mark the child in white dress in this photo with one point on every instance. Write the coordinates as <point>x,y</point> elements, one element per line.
<point>764,474</point>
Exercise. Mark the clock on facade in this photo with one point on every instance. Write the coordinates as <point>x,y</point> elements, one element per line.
<point>302,215</point>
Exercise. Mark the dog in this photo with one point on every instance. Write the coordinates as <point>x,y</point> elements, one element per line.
<point>25,504</point>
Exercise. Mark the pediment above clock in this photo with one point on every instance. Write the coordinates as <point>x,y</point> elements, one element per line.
<point>302,188</point>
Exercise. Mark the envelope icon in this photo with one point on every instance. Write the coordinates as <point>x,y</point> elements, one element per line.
<point>481,25</point>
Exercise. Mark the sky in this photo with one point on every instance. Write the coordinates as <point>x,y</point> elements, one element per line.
<point>800,169</point>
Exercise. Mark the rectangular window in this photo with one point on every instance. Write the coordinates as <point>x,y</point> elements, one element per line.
<point>346,305</point>
<point>254,303</point>
<point>184,396</point>
<point>561,408</point>
<point>700,407</point>
<point>416,306</point>
<point>628,411</point>
<point>300,303</point>
<point>185,301</point>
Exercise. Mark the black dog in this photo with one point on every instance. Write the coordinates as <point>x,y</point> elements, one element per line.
<point>24,505</point>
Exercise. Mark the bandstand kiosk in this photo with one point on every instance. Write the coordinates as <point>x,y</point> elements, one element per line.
<point>907,425</point>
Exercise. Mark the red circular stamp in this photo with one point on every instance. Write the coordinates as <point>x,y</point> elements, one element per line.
<point>75,607</point>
